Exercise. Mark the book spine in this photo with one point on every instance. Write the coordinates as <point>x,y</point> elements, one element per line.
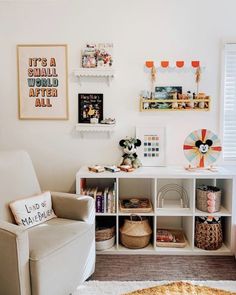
<point>109,208</point>
<point>114,199</point>
<point>98,204</point>
<point>102,203</point>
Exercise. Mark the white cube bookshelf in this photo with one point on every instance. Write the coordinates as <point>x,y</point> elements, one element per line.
<point>146,182</point>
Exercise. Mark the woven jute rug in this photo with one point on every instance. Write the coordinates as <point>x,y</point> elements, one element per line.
<point>179,288</point>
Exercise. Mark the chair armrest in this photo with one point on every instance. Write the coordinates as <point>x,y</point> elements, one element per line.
<point>14,259</point>
<point>72,206</point>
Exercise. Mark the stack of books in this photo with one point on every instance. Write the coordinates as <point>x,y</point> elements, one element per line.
<point>104,198</point>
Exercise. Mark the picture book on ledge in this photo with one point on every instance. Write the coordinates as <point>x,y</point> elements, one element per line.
<point>90,107</point>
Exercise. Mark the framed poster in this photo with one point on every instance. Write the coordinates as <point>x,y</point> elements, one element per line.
<point>90,106</point>
<point>152,150</point>
<point>42,82</point>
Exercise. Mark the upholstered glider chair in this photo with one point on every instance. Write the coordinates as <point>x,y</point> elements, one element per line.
<point>52,258</point>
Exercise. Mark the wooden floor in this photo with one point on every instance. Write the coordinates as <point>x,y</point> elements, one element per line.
<point>149,267</point>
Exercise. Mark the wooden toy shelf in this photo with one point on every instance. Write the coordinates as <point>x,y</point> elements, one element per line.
<point>146,182</point>
<point>157,104</point>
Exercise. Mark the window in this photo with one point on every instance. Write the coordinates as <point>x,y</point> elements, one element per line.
<point>229,105</point>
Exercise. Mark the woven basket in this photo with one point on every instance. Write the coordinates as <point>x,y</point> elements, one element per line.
<point>208,236</point>
<point>135,234</point>
<point>103,234</point>
<point>205,202</point>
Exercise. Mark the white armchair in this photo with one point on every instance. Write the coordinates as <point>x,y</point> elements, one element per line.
<point>52,258</point>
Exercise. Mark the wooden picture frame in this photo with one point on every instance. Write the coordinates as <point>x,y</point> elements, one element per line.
<point>90,106</point>
<point>42,82</point>
<point>152,151</point>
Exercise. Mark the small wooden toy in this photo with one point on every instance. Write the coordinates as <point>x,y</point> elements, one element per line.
<point>112,169</point>
<point>96,168</point>
<point>126,168</point>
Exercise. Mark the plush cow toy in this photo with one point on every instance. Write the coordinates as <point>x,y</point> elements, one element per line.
<point>130,157</point>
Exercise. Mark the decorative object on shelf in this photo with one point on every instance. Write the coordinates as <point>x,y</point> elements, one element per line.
<point>150,64</point>
<point>198,77</point>
<point>174,238</point>
<point>152,150</point>
<point>162,196</point>
<point>97,55</point>
<point>208,233</point>
<point>112,168</point>
<point>94,120</point>
<point>90,107</point>
<point>109,121</point>
<point>202,148</point>
<point>42,82</point>
<point>130,157</point>
<point>135,205</point>
<point>126,168</point>
<point>136,232</point>
<point>208,198</point>
<point>96,168</point>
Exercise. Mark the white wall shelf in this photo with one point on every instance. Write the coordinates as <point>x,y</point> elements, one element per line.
<point>146,182</point>
<point>108,74</point>
<point>85,128</point>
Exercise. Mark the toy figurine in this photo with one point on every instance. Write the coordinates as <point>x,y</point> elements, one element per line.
<point>130,157</point>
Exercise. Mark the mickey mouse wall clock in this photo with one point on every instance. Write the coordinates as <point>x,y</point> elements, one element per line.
<point>202,148</point>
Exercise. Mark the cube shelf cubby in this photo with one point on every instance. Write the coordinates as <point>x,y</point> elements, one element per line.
<point>148,182</point>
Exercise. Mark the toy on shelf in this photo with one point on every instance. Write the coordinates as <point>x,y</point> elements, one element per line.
<point>112,168</point>
<point>126,168</point>
<point>202,148</point>
<point>96,168</point>
<point>181,202</point>
<point>130,157</point>
<point>109,121</point>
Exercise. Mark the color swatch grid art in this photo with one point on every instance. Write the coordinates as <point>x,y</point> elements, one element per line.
<point>151,146</point>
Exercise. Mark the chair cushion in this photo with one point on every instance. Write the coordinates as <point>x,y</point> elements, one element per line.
<point>52,235</point>
<point>32,211</point>
<point>62,255</point>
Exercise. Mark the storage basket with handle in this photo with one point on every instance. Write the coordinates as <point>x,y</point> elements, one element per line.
<point>208,236</point>
<point>136,232</point>
<point>208,198</point>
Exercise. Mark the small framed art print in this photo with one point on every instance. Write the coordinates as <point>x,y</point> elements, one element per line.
<point>152,150</point>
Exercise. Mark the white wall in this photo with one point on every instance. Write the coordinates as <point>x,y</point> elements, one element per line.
<point>140,30</point>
